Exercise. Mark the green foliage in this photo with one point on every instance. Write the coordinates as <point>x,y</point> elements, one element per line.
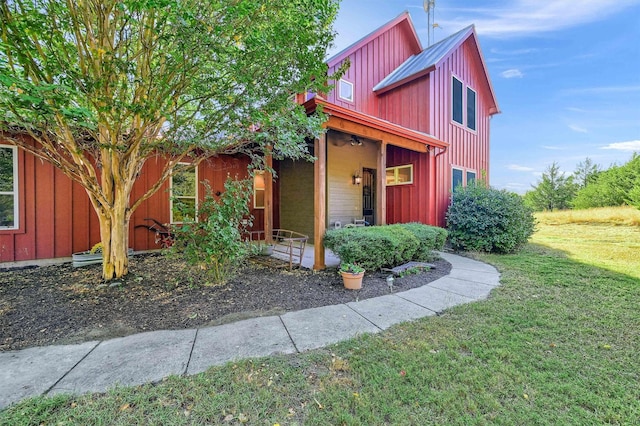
<point>351,268</point>
<point>615,186</point>
<point>481,218</point>
<point>586,173</point>
<point>104,85</point>
<point>214,241</point>
<point>554,191</point>
<point>430,238</point>
<point>375,247</point>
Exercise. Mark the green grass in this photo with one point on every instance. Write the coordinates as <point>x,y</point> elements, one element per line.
<point>557,343</point>
<point>605,237</point>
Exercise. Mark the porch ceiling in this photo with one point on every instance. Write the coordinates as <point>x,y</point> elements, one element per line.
<point>368,126</point>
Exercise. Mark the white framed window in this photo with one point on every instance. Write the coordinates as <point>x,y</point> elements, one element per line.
<point>456,100</point>
<point>471,177</point>
<point>461,177</point>
<point>9,187</point>
<point>471,108</point>
<point>400,175</point>
<point>464,103</point>
<point>258,190</point>
<point>184,192</point>
<point>345,90</point>
<point>457,176</point>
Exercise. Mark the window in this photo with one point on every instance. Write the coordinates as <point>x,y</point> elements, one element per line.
<point>461,177</point>
<point>456,179</point>
<point>184,193</point>
<point>400,175</point>
<point>258,190</point>
<point>8,187</point>
<point>460,103</point>
<point>456,101</point>
<point>471,109</point>
<point>471,177</point>
<point>345,90</point>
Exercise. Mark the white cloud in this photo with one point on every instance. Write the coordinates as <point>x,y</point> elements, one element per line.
<point>531,17</point>
<point>624,146</point>
<point>578,129</point>
<point>519,168</point>
<point>553,148</point>
<point>512,73</point>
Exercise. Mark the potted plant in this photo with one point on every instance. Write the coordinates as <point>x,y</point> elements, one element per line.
<point>352,274</point>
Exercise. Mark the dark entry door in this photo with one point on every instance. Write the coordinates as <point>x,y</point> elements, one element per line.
<point>369,195</point>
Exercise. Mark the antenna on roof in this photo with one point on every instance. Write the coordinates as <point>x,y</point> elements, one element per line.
<point>429,6</point>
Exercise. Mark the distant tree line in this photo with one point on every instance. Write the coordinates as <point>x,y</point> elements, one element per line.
<point>588,186</point>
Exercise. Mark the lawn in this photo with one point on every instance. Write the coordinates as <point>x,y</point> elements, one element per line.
<point>557,343</point>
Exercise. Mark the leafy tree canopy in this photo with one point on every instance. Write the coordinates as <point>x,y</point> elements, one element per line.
<point>104,84</point>
<point>554,191</point>
<point>615,186</point>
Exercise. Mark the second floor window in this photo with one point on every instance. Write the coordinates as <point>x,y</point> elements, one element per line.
<point>463,100</point>
<point>345,90</point>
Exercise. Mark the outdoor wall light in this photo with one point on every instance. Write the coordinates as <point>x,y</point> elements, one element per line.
<point>357,179</point>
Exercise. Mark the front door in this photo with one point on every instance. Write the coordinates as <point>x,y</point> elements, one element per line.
<point>369,195</point>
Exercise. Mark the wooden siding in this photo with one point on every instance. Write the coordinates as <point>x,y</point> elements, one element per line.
<point>370,64</point>
<point>57,219</point>
<point>409,203</point>
<point>343,160</point>
<point>468,150</point>
<point>408,105</point>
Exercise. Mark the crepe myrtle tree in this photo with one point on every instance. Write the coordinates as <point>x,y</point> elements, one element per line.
<point>104,85</point>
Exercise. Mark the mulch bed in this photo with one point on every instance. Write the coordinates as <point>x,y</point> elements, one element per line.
<point>62,305</point>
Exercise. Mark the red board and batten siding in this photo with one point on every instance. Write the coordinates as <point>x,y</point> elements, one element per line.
<point>468,150</point>
<point>372,62</point>
<point>57,219</point>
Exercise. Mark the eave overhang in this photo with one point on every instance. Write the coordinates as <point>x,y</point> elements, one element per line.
<point>344,119</point>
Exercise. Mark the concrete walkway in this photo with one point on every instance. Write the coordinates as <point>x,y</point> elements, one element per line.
<point>149,357</point>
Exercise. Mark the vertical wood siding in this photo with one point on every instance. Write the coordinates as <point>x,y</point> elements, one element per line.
<point>409,203</point>
<point>370,64</point>
<point>468,150</point>
<point>57,218</point>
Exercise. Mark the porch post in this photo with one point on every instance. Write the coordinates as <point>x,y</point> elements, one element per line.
<point>320,200</point>
<point>432,188</point>
<point>381,202</point>
<point>268,198</point>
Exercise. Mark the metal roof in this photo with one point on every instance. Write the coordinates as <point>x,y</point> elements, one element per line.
<point>424,60</point>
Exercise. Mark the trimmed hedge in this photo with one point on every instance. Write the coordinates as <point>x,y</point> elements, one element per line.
<point>375,247</point>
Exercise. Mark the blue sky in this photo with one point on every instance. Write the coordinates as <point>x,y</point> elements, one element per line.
<point>566,74</point>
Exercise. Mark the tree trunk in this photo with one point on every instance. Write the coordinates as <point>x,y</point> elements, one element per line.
<point>114,233</point>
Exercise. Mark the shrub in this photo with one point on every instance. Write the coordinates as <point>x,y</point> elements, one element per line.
<point>375,247</point>
<point>485,219</point>
<point>430,238</point>
<point>214,242</point>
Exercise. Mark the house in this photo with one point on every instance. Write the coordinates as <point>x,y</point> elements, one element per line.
<point>405,125</point>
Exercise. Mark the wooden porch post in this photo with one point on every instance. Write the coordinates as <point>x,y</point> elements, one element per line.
<point>268,198</point>
<point>319,200</point>
<point>381,202</point>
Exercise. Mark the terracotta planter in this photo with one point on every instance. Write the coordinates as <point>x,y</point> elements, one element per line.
<point>352,281</point>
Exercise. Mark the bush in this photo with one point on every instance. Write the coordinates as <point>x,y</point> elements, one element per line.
<point>430,238</point>
<point>214,242</point>
<point>375,247</point>
<point>485,219</point>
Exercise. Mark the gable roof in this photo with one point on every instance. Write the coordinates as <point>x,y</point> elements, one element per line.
<point>427,60</point>
<point>403,20</point>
